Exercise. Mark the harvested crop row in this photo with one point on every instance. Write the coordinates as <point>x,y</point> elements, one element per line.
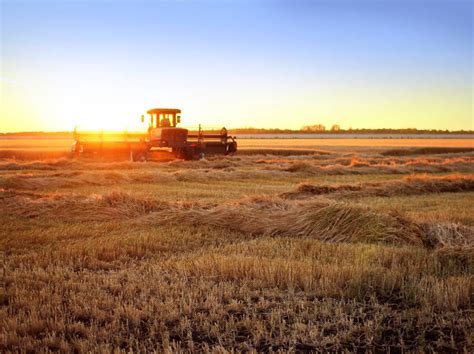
<point>426,151</point>
<point>412,185</point>
<point>358,161</point>
<point>282,152</point>
<point>320,219</point>
<point>217,162</point>
<point>310,169</point>
<point>76,179</point>
<point>33,181</point>
<point>79,178</point>
<point>114,205</point>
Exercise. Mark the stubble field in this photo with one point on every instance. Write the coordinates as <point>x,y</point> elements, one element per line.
<point>341,248</point>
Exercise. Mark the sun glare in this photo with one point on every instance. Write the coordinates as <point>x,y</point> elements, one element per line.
<point>100,117</point>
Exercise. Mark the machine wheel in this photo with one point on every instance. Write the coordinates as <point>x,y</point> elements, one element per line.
<point>139,155</point>
<point>232,148</point>
<point>179,153</point>
<point>77,150</point>
<point>190,153</point>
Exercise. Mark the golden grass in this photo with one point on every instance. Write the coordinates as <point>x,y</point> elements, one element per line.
<point>206,255</point>
<point>148,290</point>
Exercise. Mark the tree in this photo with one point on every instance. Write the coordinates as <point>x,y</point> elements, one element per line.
<point>335,128</point>
<point>314,128</point>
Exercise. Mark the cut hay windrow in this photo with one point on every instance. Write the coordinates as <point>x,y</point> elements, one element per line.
<point>75,179</point>
<point>95,207</point>
<point>321,219</point>
<point>364,166</point>
<point>282,152</point>
<point>411,185</point>
<point>426,151</point>
<point>358,161</point>
<point>33,181</point>
<point>73,164</point>
<point>325,220</point>
<point>237,167</point>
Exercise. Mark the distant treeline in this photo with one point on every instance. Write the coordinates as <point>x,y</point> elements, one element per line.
<point>304,130</point>
<point>307,130</point>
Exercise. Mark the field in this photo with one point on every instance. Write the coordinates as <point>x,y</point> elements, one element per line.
<point>286,246</point>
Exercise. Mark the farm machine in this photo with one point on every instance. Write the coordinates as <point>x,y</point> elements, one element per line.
<point>163,134</point>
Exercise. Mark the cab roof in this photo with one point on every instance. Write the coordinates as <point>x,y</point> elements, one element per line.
<point>164,111</point>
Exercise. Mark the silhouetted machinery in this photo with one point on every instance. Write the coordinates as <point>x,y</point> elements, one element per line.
<point>163,134</point>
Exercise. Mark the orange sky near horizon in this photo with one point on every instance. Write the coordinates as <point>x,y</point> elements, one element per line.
<point>31,109</point>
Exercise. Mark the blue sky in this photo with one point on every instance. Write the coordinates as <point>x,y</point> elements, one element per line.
<point>237,63</point>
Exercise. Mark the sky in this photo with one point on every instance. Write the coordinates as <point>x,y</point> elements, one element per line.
<point>267,64</point>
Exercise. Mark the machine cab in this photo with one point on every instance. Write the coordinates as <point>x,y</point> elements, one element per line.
<point>163,128</point>
<point>164,117</point>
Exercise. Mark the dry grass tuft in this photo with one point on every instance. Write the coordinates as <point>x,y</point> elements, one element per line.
<point>300,167</point>
<point>448,236</point>
<point>453,245</point>
<point>305,188</point>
